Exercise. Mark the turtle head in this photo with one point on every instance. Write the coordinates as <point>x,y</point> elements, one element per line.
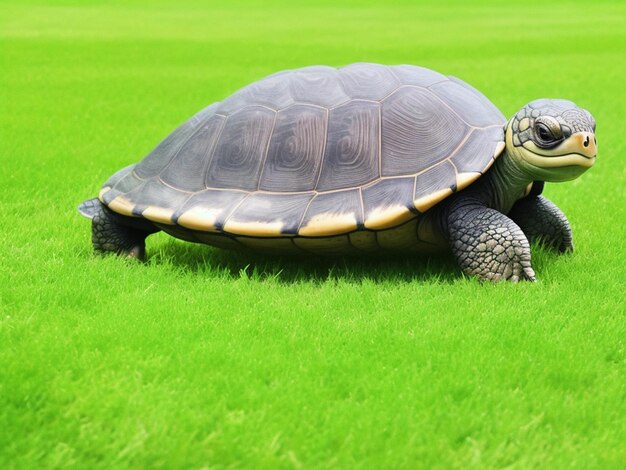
<point>553,139</point>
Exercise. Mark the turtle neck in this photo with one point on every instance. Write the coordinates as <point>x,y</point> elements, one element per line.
<point>504,184</point>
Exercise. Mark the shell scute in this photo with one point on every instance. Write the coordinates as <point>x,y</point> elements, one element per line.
<point>158,158</point>
<point>295,150</point>
<point>241,149</point>
<point>368,81</point>
<point>434,185</point>
<point>333,213</point>
<point>207,210</point>
<point>120,183</point>
<point>470,155</point>
<point>468,103</point>
<point>417,132</point>
<point>287,212</point>
<point>417,76</point>
<point>151,194</point>
<point>272,92</point>
<point>352,150</point>
<point>187,170</point>
<point>319,86</point>
<point>388,202</point>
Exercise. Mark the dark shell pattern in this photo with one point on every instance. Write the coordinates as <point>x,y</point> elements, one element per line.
<point>315,152</point>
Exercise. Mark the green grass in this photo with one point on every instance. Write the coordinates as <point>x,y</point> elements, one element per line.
<point>204,358</point>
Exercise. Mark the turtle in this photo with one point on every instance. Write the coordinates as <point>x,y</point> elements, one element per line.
<point>363,159</point>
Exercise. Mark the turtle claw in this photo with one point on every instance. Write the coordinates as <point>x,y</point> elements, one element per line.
<point>527,274</point>
<point>513,272</point>
<point>137,252</point>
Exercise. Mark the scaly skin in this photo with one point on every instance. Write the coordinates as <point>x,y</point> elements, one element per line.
<point>115,233</point>
<point>488,244</point>
<point>541,220</point>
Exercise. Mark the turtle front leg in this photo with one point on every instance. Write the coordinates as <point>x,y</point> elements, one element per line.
<point>541,220</point>
<point>115,233</point>
<point>488,244</point>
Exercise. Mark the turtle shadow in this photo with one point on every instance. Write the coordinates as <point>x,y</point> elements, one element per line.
<point>200,259</point>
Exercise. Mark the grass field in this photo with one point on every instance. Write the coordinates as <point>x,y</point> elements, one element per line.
<point>203,358</point>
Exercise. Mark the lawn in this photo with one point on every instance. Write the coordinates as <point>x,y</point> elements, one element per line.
<point>202,358</point>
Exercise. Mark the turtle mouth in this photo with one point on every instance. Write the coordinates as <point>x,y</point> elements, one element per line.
<point>556,161</point>
<point>559,168</point>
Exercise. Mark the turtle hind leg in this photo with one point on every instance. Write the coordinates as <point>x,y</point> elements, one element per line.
<point>115,233</point>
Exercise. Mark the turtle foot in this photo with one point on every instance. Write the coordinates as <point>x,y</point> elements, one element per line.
<point>513,271</point>
<point>541,220</point>
<point>138,252</point>
<point>504,264</point>
<point>490,246</point>
<point>115,233</point>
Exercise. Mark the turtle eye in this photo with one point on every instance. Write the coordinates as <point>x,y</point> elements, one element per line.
<point>543,132</point>
<point>548,133</point>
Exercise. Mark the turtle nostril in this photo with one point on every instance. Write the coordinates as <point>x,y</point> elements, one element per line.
<point>586,142</point>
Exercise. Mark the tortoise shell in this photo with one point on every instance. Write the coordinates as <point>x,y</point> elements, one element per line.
<point>315,152</point>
